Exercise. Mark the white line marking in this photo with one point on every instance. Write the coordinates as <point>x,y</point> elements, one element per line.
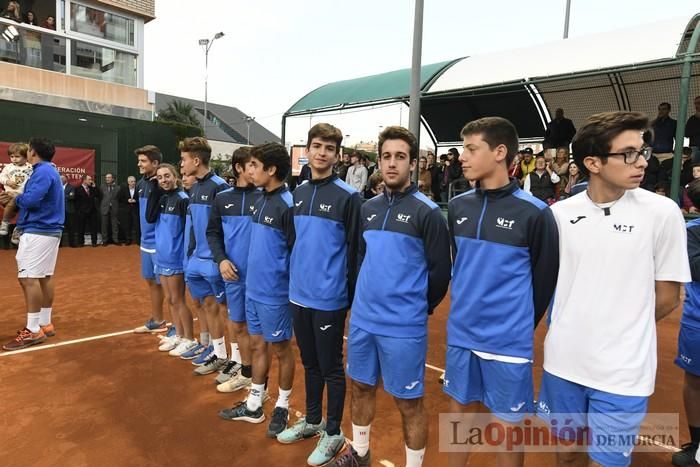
<point>656,443</point>
<point>386,463</point>
<point>427,365</point>
<point>60,344</point>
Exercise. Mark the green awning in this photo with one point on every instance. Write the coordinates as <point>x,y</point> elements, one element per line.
<point>368,89</point>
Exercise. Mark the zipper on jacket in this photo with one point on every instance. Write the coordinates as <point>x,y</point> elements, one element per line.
<point>262,208</point>
<point>386,216</point>
<point>481,217</point>
<point>311,205</point>
<point>243,205</point>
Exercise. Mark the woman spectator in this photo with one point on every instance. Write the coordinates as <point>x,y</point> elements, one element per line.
<point>572,178</point>
<point>686,204</point>
<point>50,23</point>
<point>425,178</point>
<point>13,11</point>
<point>30,18</point>
<point>561,162</point>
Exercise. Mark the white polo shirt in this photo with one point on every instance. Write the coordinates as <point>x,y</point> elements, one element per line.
<point>603,330</point>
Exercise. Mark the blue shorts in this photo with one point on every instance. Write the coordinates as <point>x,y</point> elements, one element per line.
<point>235,301</point>
<point>168,272</point>
<point>274,322</point>
<point>148,266</point>
<point>204,280</point>
<point>505,388</point>
<point>689,350</point>
<point>399,361</point>
<point>607,416</point>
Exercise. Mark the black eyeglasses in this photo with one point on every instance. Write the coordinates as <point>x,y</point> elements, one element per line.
<point>631,156</point>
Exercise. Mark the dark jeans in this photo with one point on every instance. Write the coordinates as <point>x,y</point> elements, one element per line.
<point>87,221</point>
<point>320,339</point>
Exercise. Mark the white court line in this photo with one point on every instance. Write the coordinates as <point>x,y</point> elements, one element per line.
<point>60,344</point>
<point>386,463</point>
<point>656,443</point>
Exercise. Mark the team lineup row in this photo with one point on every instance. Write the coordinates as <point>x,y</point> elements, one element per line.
<point>285,264</point>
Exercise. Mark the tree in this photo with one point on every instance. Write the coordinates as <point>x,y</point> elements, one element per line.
<point>179,112</point>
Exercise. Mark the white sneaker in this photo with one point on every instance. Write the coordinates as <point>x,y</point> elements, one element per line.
<point>185,345</point>
<point>4,228</point>
<point>235,383</point>
<point>169,344</point>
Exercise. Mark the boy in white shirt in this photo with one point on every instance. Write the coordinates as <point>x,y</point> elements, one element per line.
<point>623,258</point>
<point>13,178</point>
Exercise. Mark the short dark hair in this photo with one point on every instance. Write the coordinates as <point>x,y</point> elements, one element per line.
<point>662,186</point>
<point>687,151</point>
<point>327,132</point>
<point>198,147</point>
<point>240,157</point>
<point>495,131</point>
<point>150,151</point>
<point>398,132</point>
<point>665,104</point>
<point>595,136</point>
<point>693,192</point>
<point>43,147</point>
<point>273,154</point>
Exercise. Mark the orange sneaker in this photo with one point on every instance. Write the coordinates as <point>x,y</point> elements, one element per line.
<point>25,338</point>
<point>49,330</point>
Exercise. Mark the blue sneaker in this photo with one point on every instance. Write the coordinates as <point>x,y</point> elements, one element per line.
<point>203,357</point>
<point>193,353</point>
<point>151,326</point>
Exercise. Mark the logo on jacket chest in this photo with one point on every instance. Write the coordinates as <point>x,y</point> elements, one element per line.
<point>228,206</point>
<point>504,223</point>
<point>269,220</point>
<point>325,207</point>
<point>204,197</point>
<point>403,218</point>
<point>171,208</point>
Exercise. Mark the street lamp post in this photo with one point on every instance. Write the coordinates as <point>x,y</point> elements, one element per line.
<point>248,121</point>
<point>206,43</point>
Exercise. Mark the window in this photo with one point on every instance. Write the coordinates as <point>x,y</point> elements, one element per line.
<point>97,62</point>
<point>98,23</point>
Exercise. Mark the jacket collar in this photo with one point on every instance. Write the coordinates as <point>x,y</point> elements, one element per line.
<point>501,192</point>
<point>398,195</point>
<point>282,188</point>
<point>209,175</point>
<point>323,181</point>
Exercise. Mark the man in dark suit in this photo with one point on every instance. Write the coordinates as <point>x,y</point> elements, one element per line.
<point>128,200</point>
<point>86,199</point>
<point>109,210</point>
<point>69,196</point>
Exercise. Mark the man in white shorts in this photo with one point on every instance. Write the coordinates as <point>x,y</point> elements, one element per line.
<point>41,217</point>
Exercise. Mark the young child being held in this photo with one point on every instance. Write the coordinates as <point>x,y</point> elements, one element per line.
<point>13,178</point>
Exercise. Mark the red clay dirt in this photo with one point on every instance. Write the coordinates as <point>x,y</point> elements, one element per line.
<point>117,401</point>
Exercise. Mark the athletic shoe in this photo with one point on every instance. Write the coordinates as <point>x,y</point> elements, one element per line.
<point>203,356</point>
<point>151,326</point>
<point>686,456</point>
<point>194,353</point>
<point>212,364</point>
<point>240,412</point>
<point>169,343</point>
<point>278,423</point>
<point>15,236</point>
<point>238,381</point>
<point>301,430</point>
<point>25,338</point>
<point>348,457</point>
<point>4,228</point>
<point>49,330</point>
<point>170,333</point>
<point>184,346</point>
<point>231,369</point>
<point>326,448</point>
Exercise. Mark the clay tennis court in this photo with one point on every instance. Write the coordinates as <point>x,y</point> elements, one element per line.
<point>108,397</point>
